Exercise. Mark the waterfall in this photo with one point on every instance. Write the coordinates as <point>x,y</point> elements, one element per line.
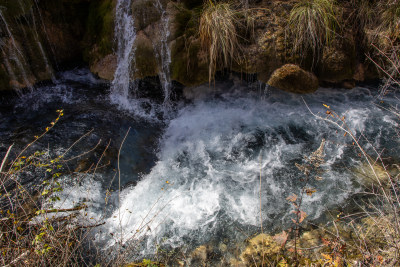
<point>125,35</point>
<point>163,54</point>
<point>49,68</point>
<point>14,54</point>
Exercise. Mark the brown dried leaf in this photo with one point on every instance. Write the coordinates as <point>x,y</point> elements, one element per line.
<point>281,238</point>
<point>310,191</point>
<point>302,216</point>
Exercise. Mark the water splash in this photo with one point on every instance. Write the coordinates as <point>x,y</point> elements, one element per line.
<point>205,181</point>
<point>125,34</point>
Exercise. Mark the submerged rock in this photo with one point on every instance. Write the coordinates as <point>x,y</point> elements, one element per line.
<point>292,78</point>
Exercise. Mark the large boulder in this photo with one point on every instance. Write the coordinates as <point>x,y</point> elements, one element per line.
<point>292,78</point>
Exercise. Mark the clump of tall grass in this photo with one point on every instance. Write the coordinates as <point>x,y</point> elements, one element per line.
<point>218,35</point>
<point>390,16</point>
<point>312,24</point>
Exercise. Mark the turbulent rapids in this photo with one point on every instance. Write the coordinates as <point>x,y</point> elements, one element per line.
<point>194,177</point>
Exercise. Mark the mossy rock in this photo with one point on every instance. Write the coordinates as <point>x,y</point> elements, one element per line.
<point>292,78</point>
<point>145,13</point>
<point>100,29</point>
<point>105,67</point>
<point>185,23</point>
<point>146,62</point>
<point>338,61</point>
<point>186,66</point>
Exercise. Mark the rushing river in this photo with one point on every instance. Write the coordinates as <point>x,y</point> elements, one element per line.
<point>192,176</point>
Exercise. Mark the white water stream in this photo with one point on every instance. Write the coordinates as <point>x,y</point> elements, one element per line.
<point>164,54</point>
<point>125,35</point>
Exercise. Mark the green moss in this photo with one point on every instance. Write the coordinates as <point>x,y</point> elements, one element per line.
<point>100,28</point>
<point>185,66</point>
<point>186,22</point>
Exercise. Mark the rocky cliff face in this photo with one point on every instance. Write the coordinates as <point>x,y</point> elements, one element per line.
<point>38,37</point>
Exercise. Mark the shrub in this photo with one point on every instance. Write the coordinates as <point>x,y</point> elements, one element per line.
<point>34,232</point>
<point>312,24</point>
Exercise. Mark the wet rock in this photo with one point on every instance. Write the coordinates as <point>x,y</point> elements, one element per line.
<point>338,61</point>
<point>105,67</point>
<point>348,84</point>
<point>292,78</point>
<point>145,13</point>
<point>369,177</point>
<point>189,64</point>
<point>83,165</point>
<point>359,73</point>
<point>200,253</point>
<point>145,59</point>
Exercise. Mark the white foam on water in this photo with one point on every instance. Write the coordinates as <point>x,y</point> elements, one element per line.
<point>125,35</point>
<point>209,166</point>
<point>78,190</point>
<point>207,176</point>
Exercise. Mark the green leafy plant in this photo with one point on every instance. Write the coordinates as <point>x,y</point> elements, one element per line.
<point>34,232</point>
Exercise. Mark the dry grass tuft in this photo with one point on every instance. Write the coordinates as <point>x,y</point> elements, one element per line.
<point>312,24</point>
<point>390,17</point>
<point>218,35</point>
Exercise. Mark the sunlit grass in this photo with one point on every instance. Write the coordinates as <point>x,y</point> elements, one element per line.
<point>218,35</point>
<point>312,24</point>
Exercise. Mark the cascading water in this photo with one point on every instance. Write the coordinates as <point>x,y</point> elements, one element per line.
<point>49,69</point>
<point>125,35</point>
<point>164,54</point>
<point>13,52</point>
